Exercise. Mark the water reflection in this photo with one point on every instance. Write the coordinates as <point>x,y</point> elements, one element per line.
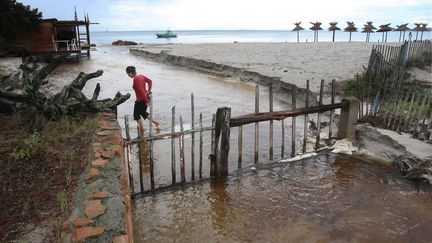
<point>326,198</point>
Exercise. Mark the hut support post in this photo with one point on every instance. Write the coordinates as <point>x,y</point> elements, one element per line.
<point>348,119</point>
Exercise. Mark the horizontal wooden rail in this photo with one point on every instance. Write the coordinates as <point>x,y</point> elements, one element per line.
<point>168,135</point>
<point>279,115</point>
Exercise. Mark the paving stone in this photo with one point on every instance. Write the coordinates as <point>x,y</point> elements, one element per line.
<point>120,239</point>
<point>99,163</point>
<point>107,154</point>
<point>92,174</point>
<point>103,133</point>
<point>94,208</point>
<point>82,222</point>
<point>99,195</point>
<point>86,232</point>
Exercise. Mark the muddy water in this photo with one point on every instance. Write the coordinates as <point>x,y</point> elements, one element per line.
<point>327,198</point>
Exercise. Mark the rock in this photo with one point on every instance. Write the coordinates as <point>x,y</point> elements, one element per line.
<point>120,239</point>
<point>99,195</point>
<point>414,168</point>
<point>94,208</point>
<point>124,43</point>
<point>86,232</point>
<point>107,154</point>
<point>103,133</point>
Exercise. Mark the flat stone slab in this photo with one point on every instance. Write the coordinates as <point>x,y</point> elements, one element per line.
<point>99,163</point>
<point>99,195</point>
<point>80,222</point>
<point>94,208</point>
<point>92,174</point>
<point>86,232</point>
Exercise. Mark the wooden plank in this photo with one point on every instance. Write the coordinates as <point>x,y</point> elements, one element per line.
<point>306,118</point>
<point>173,157</point>
<point>182,159</point>
<point>213,148</point>
<point>280,115</point>
<point>193,138</point>
<point>222,131</point>
<point>293,119</point>
<point>200,147</point>
<point>333,94</point>
<point>319,115</point>
<point>271,123</point>
<point>256,125</point>
<point>240,147</point>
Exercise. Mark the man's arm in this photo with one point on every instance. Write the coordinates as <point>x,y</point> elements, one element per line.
<point>149,84</point>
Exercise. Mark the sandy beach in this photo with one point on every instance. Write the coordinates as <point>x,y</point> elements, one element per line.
<point>291,62</point>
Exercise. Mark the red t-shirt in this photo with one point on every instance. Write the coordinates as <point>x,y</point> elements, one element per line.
<point>139,86</point>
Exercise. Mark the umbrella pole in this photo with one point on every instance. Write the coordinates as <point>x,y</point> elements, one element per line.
<point>334,31</point>
<point>416,34</point>
<point>403,38</point>
<point>400,36</point>
<point>350,37</point>
<point>421,37</point>
<point>297,36</point>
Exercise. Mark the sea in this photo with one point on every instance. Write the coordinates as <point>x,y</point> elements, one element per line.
<point>231,36</point>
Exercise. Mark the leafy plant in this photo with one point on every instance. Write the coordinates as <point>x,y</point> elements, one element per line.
<point>62,200</point>
<point>29,148</point>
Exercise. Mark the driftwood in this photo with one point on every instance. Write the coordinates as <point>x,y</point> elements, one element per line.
<point>69,101</point>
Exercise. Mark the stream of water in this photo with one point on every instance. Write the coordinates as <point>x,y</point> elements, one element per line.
<point>325,198</point>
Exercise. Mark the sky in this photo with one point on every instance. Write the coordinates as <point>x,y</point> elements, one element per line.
<point>116,15</point>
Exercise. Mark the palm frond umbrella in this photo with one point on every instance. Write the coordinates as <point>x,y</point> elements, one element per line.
<point>297,28</point>
<point>333,28</point>
<point>368,29</point>
<point>402,28</point>
<point>315,27</point>
<point>384,29</point>
<point>417,28</point>
<point>351,28</point>
<point>423,28</point>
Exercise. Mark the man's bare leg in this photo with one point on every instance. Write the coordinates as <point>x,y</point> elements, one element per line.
<point>157,124</point>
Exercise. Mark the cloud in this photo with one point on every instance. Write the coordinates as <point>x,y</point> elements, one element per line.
<point>257,14</point>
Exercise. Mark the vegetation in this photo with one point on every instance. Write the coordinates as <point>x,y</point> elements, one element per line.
<point>40,169</point>
<point>16,16</point>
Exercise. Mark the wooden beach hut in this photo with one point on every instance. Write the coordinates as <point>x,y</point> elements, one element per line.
<point>384,29</point>
<point>298,28</point>
<point>368,29</point>
<point>315,27</point>
<point>402,28</point>
<point>54,36</point>
<point>333,28</point>
<point>351,28</point>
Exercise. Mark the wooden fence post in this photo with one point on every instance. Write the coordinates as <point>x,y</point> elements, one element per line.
<point>348,118</point>
<point>222,133</point>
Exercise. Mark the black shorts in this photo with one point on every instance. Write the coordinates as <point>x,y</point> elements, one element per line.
<point>140,110</point>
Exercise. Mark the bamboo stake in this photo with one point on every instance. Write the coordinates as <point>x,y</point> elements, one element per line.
<point>173,157</point>
<point>152,177</point>
<point>256,125</point>
<point>332,111</point>
<point>319,115</point>
<point>240,146</point>
<point>182,159</point>
<point>293,119</point>
<point>193,138</point>
<point>306,118</point>
<point>271,122</point>
<point>200,147</point>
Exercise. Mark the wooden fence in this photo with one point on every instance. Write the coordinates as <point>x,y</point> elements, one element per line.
<point>222,122</point>
<point>384,95</point>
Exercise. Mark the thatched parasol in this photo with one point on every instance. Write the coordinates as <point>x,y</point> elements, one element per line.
<point>402,28</point>
<point>368,29</point>
<point>297,28</point>
<point>351,28</point>
<point>417,28</point>
<point>385,28</point>
<point>333,28</point>
<point>315,27</point>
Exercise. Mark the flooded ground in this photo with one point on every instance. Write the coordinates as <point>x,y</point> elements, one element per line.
<point>327,198</point>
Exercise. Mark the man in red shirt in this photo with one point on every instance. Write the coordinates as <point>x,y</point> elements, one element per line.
<point>142,98</point>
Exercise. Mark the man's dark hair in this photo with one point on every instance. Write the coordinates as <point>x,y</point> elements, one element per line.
<point>131,69</point>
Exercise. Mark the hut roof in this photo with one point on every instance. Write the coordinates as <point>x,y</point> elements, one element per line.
<point>333,26</point>
<point>385,28</point>
<point>298,27</point>
<point>316,26</point>
<point>368,27</point>
<point>424,28</point>
<point>351,27</point>
<point>402,27</point>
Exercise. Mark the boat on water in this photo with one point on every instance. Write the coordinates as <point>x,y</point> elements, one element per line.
<point>167,34</point>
